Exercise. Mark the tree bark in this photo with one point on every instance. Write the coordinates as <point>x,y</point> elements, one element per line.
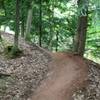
<point>28,24</point>
<point>40,24</point>
<point>17,24</point>
<point>80,38</point>
<point>22,18</point>
<point>22,28</point>
<point>57,39</point>
<point>81,35</point>
<point>51,21</point>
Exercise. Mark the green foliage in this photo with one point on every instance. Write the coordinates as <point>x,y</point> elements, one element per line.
<point>58,16</point>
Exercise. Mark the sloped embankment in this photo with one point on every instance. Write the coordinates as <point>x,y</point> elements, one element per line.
<point>92,91</point>
<point>20,77</point>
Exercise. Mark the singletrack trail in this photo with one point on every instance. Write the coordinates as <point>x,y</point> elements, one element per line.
<point>68,72</point>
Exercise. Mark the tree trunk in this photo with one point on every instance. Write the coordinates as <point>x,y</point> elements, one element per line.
<point>40,24</point>
<point>28,24</point>
<point>51,21</point>
<point>22,28</point>
<point>57,39</point>
<point>0,36</point>
<point>16,25</point>
<point>80,38</point>
<point>4,7</point>
<point>22,18</point>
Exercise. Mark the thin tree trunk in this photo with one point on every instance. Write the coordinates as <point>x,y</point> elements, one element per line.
<point>22,19</point>
<point>51,26</point>
<point>28,24</point>
<point>0,37</point>
<point>3,6</point>
<point>22,28</point>
<point>16,25</point>
<point>57,39</point>
<point>40,24</point>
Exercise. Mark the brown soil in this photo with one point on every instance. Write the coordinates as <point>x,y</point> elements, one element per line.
<point>68,72</point>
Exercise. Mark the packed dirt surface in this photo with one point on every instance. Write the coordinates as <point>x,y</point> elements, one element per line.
<point>68,73</point>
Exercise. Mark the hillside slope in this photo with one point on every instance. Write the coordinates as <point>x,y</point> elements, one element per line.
<point>38,70</point>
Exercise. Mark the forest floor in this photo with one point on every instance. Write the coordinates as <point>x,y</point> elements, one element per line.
<point>37,75</point>
<point>68,73</point>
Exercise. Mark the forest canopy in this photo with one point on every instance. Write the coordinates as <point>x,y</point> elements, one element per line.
<point>53,24</point>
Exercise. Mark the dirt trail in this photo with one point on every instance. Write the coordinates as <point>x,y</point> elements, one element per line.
<point>68,73</point>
